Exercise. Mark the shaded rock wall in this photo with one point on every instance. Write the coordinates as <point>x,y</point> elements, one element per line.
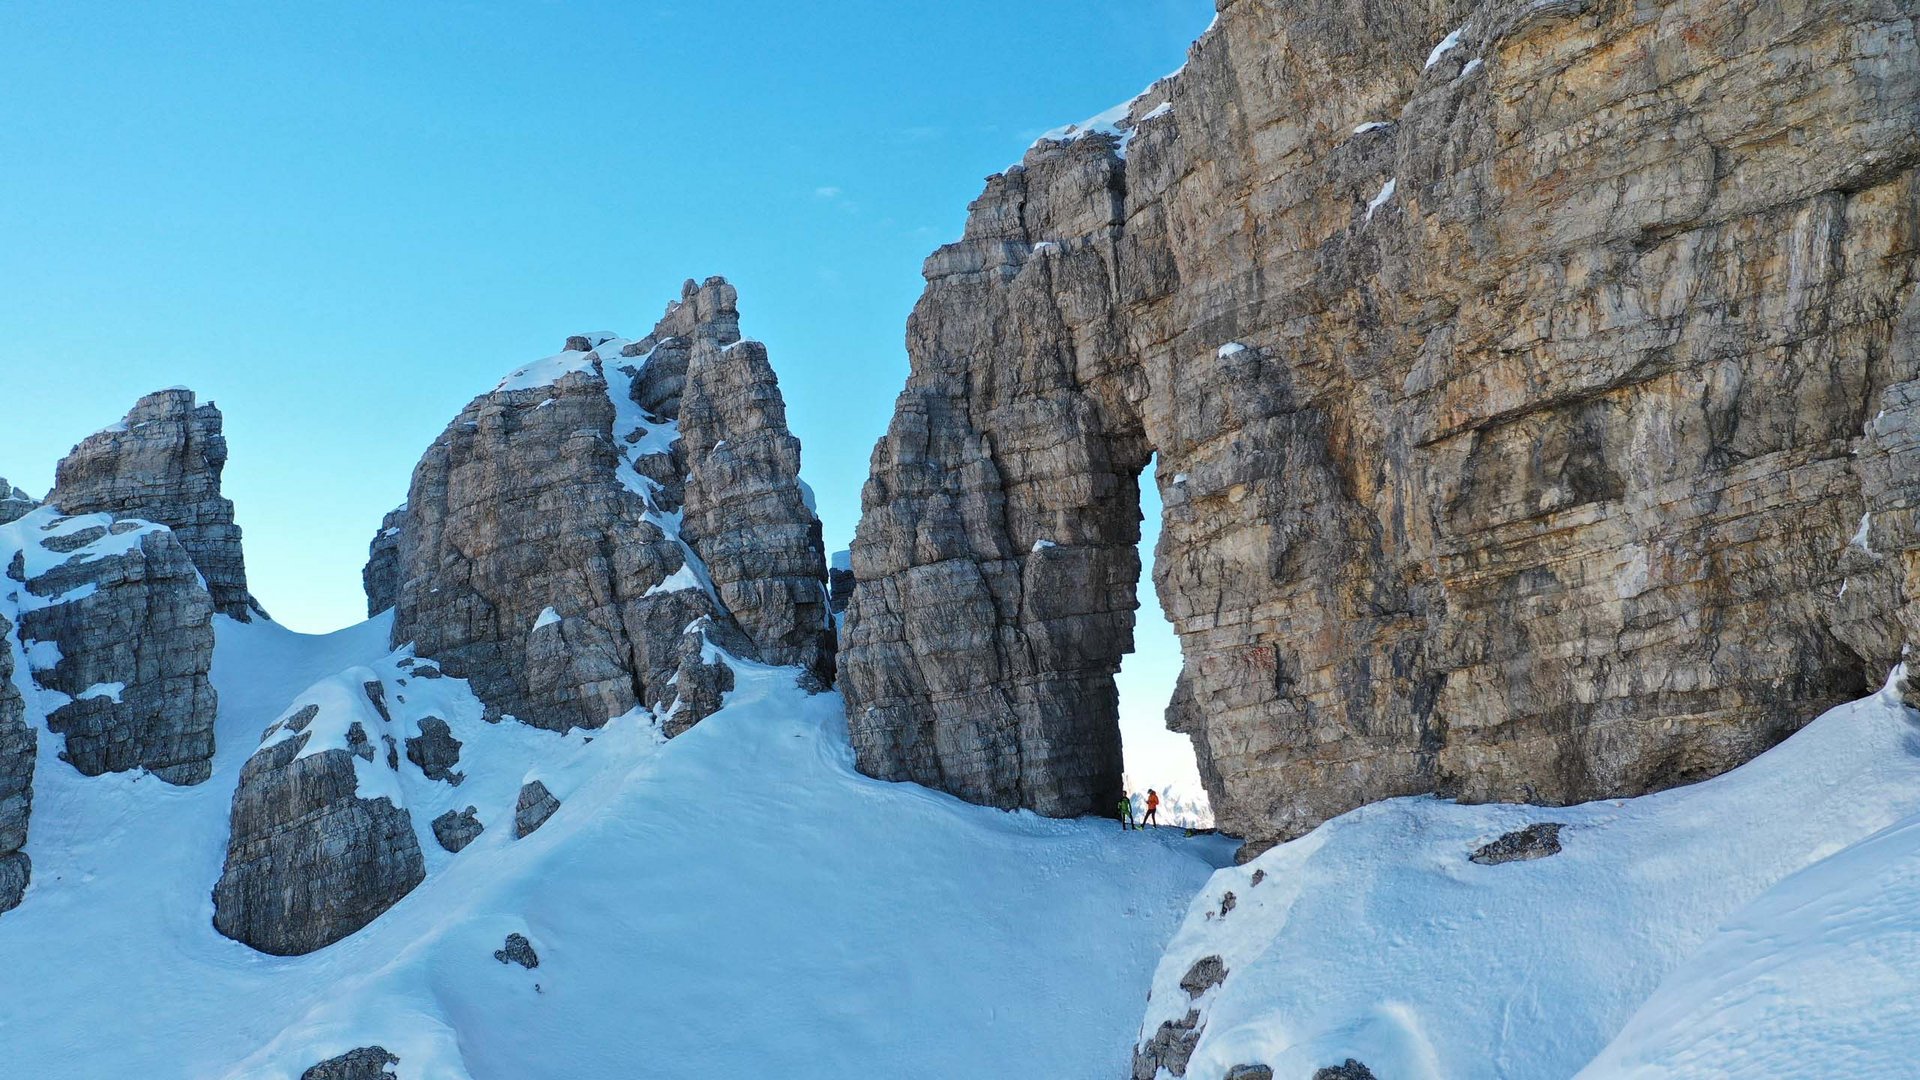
<point>118,612</point>
<point>578,539</point>
<point>310,859</point>
<point>381,576</point>
<point>18,742</point>
<point>1506,399</point>
<point>14,503</point>
<point>163,463</point>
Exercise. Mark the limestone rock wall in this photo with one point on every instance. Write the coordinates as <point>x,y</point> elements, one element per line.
<point>14,503</point>
<point>18,742</point>
<point>748,513</point>
<point>119,630</point>
<point>163,463</point>
<point>1509,368</point>
<point>381,577</point>
<point>309,859</point>
<point>580,538</point>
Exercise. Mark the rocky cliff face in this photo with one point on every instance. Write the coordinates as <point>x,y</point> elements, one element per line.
<point>14,503</point>
<point>1512,370</point>
<point>580,539</point>
<point>163,464</point>
<point>382,574</point>
<point>315,852</point>
<point>18,742</point>
<point>117,630</point>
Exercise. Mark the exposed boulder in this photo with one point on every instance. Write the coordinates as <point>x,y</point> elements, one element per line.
<point>580,540</point>
<point>455,829</point>
<point>311,857</point>
<point>116,610</point>
<point>162,463</point>
<point>1205,974</point>
<point>1249,1072</point>
<point>518,950</point>
<point>1347,1070</point>
<point>435,751</point>
<point>365,1063</point>
<point>1536,841</point>
<point>1506,467</point>
<point>535,806</point>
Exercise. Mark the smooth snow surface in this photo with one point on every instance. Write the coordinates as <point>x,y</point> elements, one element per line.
<point>547,372</point>
<point>736,902</point>
<point>1764,924</point>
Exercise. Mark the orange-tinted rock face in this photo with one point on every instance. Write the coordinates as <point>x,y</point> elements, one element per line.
<point>1512,406</point>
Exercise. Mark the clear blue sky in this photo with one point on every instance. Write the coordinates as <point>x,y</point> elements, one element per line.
<point>343,222</point>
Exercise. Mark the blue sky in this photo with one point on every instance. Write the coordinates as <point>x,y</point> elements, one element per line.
<point>343,222</point>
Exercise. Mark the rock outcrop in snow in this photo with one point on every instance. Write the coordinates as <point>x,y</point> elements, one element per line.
<point>311,859</point>
<point>118,633</point>
<point>1507,401</point>
<point>580,539</point>
<point>369,780</point>
<point>14,503</point>
<point>18,742</point>
<point>162,463</point>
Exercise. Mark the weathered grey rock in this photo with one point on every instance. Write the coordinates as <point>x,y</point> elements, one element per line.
<point>455,829</point>
<point>1348,1070</point>
<point>578,547</point>
<point>1250,1072</point>
<point>1205,974</point>
<point>518,950</point>
<point>365,1063</point>
<point>18,743</point>
<point>747,513</point>
<point>1495,464</point>
<point>1170,1048</point>
<point>840,581</point>
<point>163,464</point>
<point>133,625</point>
<point>14,503</point>
<point>532,809</point>
<point>308,860</point>
<point>435,751</point>
<point>1536,841</point>
<point>381,576</point>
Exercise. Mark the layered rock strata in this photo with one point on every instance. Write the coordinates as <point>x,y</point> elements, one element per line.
<point>381,576</point>
<point>163,463</point>
<point>14,503</point>
<point>18,742</point>
<point>1518,376</point>
<point>119,631</point>
<point>320,845</point>
<point>579,541</point>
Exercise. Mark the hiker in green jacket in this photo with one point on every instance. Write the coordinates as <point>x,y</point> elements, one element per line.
<point>1126,812</point>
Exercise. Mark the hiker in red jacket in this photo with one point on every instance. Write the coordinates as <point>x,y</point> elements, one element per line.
<point>1153,807</point>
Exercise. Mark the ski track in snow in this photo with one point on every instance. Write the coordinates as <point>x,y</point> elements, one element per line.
<point>737,901</point>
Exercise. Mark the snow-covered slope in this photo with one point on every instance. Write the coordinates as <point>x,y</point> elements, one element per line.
<point>1762,924</point>
<point>737,901</point>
